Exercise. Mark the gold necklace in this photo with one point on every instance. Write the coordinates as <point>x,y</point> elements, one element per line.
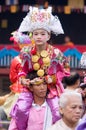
<point>41,62</point>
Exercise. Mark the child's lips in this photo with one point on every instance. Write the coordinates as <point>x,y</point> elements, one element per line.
<point>39,41</point>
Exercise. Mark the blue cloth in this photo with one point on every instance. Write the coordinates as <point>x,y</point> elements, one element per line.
<point>82,125</point>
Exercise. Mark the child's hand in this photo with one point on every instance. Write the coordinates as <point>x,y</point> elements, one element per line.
<point>25,82</point>
<point>48,79</point>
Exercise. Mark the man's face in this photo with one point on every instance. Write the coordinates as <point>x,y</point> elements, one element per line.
<point>72,111</point>
<point>84,92</point>
<point>39,90</point>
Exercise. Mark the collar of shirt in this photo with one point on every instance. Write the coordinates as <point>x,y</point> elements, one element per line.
<point>63,125</point>
<point>38,106</point>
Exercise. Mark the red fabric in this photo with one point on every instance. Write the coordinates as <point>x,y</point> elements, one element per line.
<point>15,68</point>
<point>81,48</point>
<point>16,87</point>
<point>2,46</point>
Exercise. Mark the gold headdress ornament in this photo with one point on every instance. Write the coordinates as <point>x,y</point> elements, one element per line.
<point>41,18</point>
<point>37,81</point>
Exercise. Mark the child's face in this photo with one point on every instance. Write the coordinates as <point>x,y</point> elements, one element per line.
<point>40,36</point>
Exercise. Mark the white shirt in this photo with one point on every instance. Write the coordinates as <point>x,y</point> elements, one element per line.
<point>59,125</point>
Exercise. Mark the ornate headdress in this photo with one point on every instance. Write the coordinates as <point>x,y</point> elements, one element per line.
<point>37,81</point>
<point>41,18</point>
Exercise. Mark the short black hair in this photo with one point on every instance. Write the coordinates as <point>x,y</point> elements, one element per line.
<point>32,75</point>
<point>83,86</point>
<point>71,80</point>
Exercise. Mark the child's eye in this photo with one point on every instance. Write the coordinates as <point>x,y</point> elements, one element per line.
<point>35,34</point>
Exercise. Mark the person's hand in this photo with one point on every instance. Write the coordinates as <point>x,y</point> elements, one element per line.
<point>25,82</point>
<point>48,79</point>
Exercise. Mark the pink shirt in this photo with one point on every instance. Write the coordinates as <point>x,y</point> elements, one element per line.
<point>13,125</point>
<point>36,118</point>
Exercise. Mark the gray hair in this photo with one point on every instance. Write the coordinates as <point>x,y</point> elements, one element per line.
<point>64,98</point>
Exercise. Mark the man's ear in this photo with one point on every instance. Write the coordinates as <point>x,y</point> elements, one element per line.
<point>61,110</point>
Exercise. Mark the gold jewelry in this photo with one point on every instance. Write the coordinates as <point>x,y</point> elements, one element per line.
<point>44,53</point>
<point>37,81</point>
<point>40,72</point>
<point>36,66</point>
<point>41,61</point>
<point>35,58</point>
<point>46,60</point>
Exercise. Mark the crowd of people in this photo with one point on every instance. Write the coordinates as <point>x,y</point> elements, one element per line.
<point>45,93</point>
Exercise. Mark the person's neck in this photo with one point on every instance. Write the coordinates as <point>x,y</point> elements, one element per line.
<point>71,125</point>
<point>39,101</point>
<point>72,87</point>
<point>39,48</point>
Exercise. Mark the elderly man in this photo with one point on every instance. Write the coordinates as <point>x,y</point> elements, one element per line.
<point>70,108</point>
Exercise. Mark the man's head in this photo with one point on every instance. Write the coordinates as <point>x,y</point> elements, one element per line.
<point>72,80</point>
<point>83,88</point>
<point>70,107</point>
<point>37,86</point>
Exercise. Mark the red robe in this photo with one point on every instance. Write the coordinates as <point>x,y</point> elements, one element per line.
<point>15,68</point>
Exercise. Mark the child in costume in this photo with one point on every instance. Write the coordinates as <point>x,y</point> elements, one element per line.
<point>47,61</point>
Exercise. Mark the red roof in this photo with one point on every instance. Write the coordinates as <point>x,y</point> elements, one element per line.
<point>80,48</point>
<point>63,48</point>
